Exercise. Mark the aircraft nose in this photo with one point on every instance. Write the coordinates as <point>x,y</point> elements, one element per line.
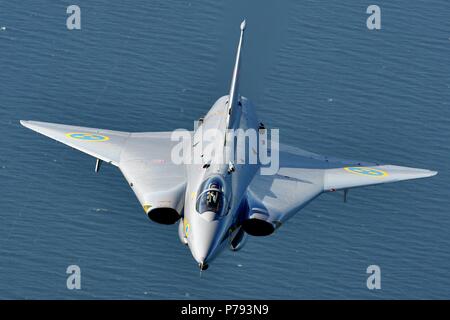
<point>205,241</point>
<point>203,247</point>
<point>203,266</point>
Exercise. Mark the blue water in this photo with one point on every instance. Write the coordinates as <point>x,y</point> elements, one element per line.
<point>312,68</point>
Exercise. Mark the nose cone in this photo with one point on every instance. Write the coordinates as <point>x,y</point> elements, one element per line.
<point>205,242</point>
<point>205,239</point>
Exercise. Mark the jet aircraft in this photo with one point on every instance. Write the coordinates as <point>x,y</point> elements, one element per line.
<point>216,203</point>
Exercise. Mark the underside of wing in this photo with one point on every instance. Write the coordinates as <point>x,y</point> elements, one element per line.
<point>276,198</point>
<point>344,174</point>
<point>102,144</point>
<point>360,176</point>
<point>158,182</point>
<point>144,159</point>
<point>304,175</point>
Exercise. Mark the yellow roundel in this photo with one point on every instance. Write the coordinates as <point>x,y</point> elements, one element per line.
<point>88,137</point>
<point>366,171</point>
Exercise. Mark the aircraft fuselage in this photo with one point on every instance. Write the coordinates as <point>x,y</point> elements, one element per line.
<point>207,233</point>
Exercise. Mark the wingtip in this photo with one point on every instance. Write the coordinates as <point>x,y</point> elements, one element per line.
<point>29,124</point>
<point>428,173</point>
<point>425,173</point>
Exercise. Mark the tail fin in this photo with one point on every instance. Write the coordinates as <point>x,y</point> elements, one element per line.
<point>233,98</point>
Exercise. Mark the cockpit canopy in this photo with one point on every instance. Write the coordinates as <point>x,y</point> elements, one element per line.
<point>212,197</point>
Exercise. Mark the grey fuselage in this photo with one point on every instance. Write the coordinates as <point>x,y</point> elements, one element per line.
<point>207,233</point>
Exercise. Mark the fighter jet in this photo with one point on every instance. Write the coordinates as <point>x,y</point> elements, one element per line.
<point>219,202</point>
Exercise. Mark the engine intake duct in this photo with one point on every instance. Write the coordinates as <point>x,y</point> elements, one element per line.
<point>164,215</point>
<point>258,227</point>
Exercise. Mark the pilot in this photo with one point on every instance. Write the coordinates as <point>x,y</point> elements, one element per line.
<point>212,195</point>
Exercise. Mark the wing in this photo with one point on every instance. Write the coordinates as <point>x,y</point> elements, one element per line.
<point>144,159</point>
<point>102,144</point>
<point>156,180</point>
<point>304,175</point>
